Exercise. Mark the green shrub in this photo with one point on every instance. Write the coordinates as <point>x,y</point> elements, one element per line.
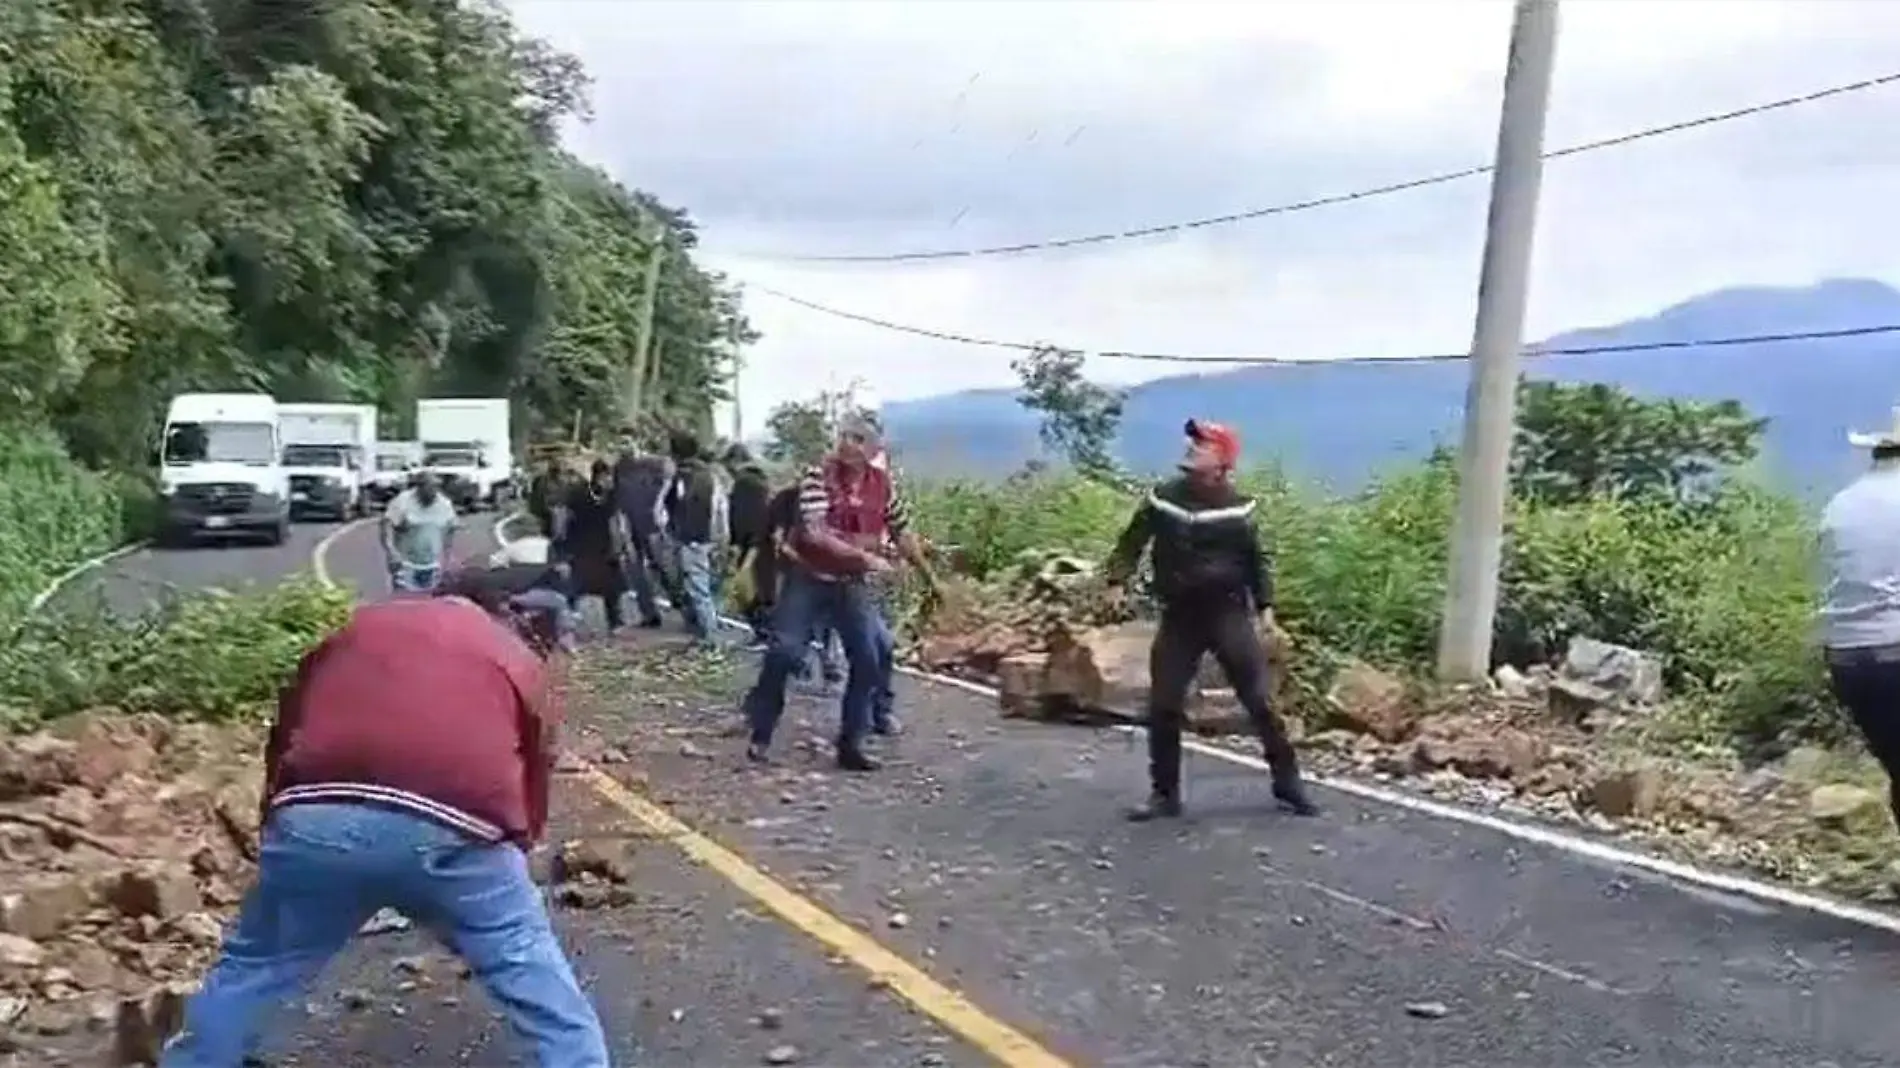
<point>1723,588</point>
<point>210,655</point>
<point>53,514</point>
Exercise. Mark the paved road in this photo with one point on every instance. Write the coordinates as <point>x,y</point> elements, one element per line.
<point>1241,936</point>
<point>990,855</point>
<point>135,581</point>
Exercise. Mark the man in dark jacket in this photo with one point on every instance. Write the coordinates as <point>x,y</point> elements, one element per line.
<point>1212,579</point>
<point>640,479</point>
<point>698,521</point>
<point>408,768</point>
<point>750,506</point>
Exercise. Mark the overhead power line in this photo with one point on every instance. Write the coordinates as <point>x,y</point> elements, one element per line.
<point>1110,237</point>
<point>1277,361</point>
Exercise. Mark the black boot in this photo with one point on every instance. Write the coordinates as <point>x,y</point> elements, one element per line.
<point>1290,791</point>
<point>851,758</point>
<point>1159,806</point>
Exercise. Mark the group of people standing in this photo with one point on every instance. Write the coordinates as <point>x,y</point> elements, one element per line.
<point>817,555</point>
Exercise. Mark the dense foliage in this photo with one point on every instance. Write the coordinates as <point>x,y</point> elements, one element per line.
<point>352,200</point>
<point>208,654</point>
<point>1629,523</point>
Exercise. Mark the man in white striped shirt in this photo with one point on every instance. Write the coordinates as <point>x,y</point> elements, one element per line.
<point>850,514</point>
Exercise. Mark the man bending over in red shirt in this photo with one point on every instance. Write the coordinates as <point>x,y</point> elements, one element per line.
<point>408,768</point>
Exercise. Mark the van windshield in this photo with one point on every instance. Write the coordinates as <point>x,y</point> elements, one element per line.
<point>391,462</point>
<point>253,444</point>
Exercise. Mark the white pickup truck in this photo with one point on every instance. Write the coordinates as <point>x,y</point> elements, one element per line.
<point>326,448</point>
<point>394,463</point>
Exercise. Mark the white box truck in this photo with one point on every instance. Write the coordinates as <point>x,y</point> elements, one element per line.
<point>466,443</point>
<point>327,448</point>
<point>221,468</point>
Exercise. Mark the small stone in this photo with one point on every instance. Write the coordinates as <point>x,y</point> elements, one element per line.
<point>899,920</point>
<point>770,1019</point>
<point>384,922</point>
<point>782,1055</point>
<point>1839,804</point>
<point>1427,1010</point>
<point>17,952</point>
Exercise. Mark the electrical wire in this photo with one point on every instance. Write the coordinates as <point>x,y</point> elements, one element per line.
<point>1277,361</point>
<point>1109,237</point>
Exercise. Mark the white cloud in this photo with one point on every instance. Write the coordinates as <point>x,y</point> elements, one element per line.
<point>875,126</point>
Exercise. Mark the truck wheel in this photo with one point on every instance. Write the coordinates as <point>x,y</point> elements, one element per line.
<point>278,533</point>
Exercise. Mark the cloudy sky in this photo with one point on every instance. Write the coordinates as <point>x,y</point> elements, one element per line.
<point>794,127</point>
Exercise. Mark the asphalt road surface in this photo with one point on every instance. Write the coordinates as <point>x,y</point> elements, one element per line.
<point>990,857</point>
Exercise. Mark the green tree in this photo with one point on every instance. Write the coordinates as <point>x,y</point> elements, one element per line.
<point>1080,419</point>
<point>1581,441</point>
<point>802,431</point>
<point>347,200</point>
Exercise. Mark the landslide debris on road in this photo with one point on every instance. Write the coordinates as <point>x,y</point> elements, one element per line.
<point>124,844</point>
<point>1591,740</point>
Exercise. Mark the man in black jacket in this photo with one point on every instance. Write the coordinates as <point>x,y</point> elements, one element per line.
<point>698,523</point>
<point>1212,579</point>
<point>749,504</point>
<point>640,479</point>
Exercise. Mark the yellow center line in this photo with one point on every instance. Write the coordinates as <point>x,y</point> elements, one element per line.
<point>1002,1043</point>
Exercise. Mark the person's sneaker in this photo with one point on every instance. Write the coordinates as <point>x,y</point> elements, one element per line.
<point>1157,807</point>
<point>1291,793</point>
<point>853,759</point>
<point>757,753</point>
<point>652,623</point>
<point>886,726</point>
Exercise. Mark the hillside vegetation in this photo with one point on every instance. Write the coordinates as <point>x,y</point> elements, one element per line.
<point>360,200</point>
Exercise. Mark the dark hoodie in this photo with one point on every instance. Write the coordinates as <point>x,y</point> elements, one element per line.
<point>693,499</point>
<point>639,480</point>
<point>750,504</point>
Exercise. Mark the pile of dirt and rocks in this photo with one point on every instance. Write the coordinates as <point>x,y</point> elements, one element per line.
<point>1576,742</point>
<point>125,842</point>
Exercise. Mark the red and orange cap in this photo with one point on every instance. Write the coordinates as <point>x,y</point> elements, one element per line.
<point>1219,437</point>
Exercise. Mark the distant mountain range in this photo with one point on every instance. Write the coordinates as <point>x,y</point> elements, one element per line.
<point>1339,424</point>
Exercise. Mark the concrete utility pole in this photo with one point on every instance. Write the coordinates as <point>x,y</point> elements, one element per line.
<point>643,337</point>
<point>738,369</point>
<point>1471,597</point>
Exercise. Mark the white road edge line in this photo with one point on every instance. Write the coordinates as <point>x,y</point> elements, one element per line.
<point>320,554</point>
<point>1547,837</point>
<point>52,589</point>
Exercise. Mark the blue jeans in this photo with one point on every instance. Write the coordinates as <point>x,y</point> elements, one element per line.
<point>884,697</point>
<point>414,578</point>
<point>325,869</point>
<point>696,579</point>
<point>804,605</point>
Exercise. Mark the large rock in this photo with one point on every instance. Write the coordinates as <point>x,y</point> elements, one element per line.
<point>36,764</point>
<point>1369,701</point>
<point>1106,668</point>
<point>1845,807</point>
<point>38,906</point>
<point>1478,750</point>
<point>1019,684</point>
<point>1596,673</point>
<point>1629,793</point>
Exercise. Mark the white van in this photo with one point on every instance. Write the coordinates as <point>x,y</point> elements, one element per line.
<point>221,468</point>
